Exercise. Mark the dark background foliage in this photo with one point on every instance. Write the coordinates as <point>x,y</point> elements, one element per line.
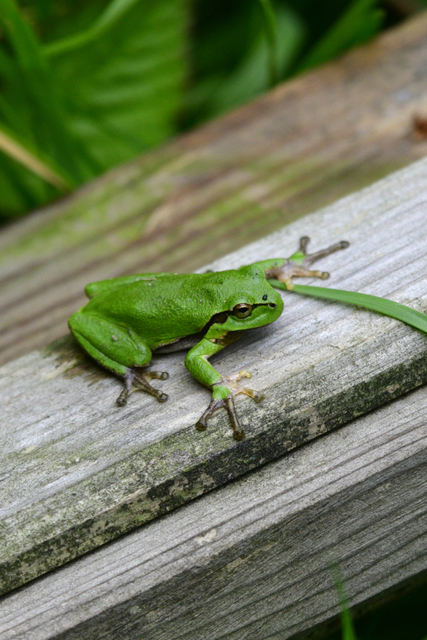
<point>86,86</point>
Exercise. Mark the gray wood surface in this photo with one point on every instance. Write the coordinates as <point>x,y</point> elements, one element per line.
<point>257,558</point>
<point>322,135</point>
<point>77,471</point>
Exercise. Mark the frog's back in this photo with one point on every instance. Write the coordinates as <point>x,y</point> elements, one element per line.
<point>162,310</point>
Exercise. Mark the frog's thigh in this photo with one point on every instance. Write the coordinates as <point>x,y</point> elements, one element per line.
<point>115,347</point>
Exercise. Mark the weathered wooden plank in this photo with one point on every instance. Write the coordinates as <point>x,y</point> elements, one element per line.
<point>254,560</point>
<point>77,471</point>
<point>305,144</point>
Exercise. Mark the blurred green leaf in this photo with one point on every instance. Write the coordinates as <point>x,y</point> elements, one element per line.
<point>30,89</point>
<point>33,121</point>
<point>252,75</point>
<point>90,99</point>
<point>127,74</point>
<point>112,78</point>
<point>271,37</point>
<point>361,21</point>
<point>240,47</point>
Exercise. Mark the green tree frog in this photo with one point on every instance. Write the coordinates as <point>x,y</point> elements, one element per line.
<point>129,317</point>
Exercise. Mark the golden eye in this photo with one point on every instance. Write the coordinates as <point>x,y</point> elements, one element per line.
<point>242,310</point>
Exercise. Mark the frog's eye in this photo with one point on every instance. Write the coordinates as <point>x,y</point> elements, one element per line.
<point>242,310</point>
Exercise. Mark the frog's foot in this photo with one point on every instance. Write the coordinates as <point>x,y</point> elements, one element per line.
<point>298,264</point>
<point>138,380</point>
<point>223,393</point>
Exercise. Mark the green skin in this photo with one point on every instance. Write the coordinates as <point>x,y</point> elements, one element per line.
<point>128,318</point>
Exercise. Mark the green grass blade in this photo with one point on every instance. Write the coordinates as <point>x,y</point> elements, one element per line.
<point>347,626</point>
<point>348,631</point>
<point>374,303</point>
<point>32,159</point>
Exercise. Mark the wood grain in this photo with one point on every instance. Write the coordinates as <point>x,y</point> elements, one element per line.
<point>77,471</point>
<point>256,558</point>
<point>308,142</point>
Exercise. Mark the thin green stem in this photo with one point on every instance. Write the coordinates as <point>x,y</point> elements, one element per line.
<point>114,11</point>
<point>271,35</point>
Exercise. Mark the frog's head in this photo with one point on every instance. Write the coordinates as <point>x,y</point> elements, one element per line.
<point>253,302</point>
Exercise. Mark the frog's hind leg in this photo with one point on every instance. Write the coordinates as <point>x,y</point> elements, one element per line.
<point>298,264</point>
<point>139,380</point>
<point>120,350</point>
<point>309,258</point>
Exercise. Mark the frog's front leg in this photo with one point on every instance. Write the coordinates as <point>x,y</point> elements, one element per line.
<point>297,265</point>
<point>223,393</point>
<point>118,349</point>
<point>224,388</point>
